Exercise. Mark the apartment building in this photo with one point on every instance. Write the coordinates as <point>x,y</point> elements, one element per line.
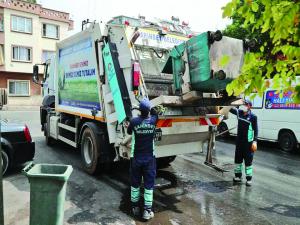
<point>28,34</point>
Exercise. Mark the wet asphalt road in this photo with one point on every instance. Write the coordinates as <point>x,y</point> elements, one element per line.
<point>194,194</point>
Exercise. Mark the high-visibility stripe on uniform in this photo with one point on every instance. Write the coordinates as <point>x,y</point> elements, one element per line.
<point>250,133</point>
<point>238,168</point>
<point>249,170</point>
<point>135,194</point>
<point>148,198</point>
<point>132,144</point>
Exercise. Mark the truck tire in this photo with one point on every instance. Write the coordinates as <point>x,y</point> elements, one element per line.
<point>90,146</point>
<point>287,141</point>
<point>49,140</point>
<point>164,162</point>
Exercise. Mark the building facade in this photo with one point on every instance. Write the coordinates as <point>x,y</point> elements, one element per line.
<point>28,34</point>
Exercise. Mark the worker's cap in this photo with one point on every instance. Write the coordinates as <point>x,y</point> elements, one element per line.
<point>247,102</point>
<point>145,105</point>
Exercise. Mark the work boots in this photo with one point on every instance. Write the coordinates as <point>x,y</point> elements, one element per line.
<point>237,179</point>
<point>136,211</point>
<point>248,183</point>
<point>148,214</point>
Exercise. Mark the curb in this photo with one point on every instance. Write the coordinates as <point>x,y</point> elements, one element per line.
<point>21,108</point>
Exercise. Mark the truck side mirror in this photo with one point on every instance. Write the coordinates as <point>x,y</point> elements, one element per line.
<point>35,76</point>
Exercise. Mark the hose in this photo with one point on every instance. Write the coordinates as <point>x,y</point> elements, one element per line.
<point>162,54</point>
<point>224,132</point>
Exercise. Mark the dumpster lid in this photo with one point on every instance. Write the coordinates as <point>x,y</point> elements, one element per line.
<point>49,171</point>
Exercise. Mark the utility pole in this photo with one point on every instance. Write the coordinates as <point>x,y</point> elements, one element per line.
<point>1,184</point>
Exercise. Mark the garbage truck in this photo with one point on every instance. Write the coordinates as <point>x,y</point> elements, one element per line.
<point>93,85</point>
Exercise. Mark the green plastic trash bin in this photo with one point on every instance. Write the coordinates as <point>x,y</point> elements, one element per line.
<point>48,184</point>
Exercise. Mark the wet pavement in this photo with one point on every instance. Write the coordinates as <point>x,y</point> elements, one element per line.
<point>193,194</point>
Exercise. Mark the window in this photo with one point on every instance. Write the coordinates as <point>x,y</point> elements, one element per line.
<point>257,101</point>
<point>50,31</point>
<point>21,24</point>
<point>18,87</point>
<point>23,54</point>
<point>1,55</point>
<point>1,23</point>
<point>47,55</point>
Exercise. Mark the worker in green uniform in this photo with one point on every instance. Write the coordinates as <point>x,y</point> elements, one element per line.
<point>246,141</point>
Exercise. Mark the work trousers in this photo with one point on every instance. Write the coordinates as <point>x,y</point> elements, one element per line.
<point>244,154</point>
<point>142,168</point>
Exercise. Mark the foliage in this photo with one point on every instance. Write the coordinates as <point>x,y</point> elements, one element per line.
<point>31,1</point>
<point>276,26</point>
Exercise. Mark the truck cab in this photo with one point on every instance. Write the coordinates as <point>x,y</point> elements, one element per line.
<point>48,87</point>
<point>48,80</point>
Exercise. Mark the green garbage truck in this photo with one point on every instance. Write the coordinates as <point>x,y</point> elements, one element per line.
<point>97,77</point>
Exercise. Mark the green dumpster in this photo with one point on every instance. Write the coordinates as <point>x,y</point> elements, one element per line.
<point>48,184</point>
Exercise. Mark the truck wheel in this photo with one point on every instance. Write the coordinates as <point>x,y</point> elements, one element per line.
<point>5,162</point>
<point>287,141</point>
<point>164,161</point>
<point>49,140</point>
<point>90,144</point>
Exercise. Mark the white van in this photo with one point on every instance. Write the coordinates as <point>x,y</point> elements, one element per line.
<point>278,119</point>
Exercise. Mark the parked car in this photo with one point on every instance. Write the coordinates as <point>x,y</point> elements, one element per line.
<point>17,145</point>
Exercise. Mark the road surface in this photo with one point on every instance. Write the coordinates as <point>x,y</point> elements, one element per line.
<point>194,194</point>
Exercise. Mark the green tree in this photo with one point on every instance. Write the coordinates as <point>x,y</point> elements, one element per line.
<point>276,26</point>
<point>237,30</point>
<point>31,1</point>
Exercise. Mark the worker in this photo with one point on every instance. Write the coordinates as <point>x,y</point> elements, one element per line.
<point>246,142</point>
<point>143,162</point>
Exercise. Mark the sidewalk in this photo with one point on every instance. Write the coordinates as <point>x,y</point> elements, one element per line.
<point>21,108</point>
